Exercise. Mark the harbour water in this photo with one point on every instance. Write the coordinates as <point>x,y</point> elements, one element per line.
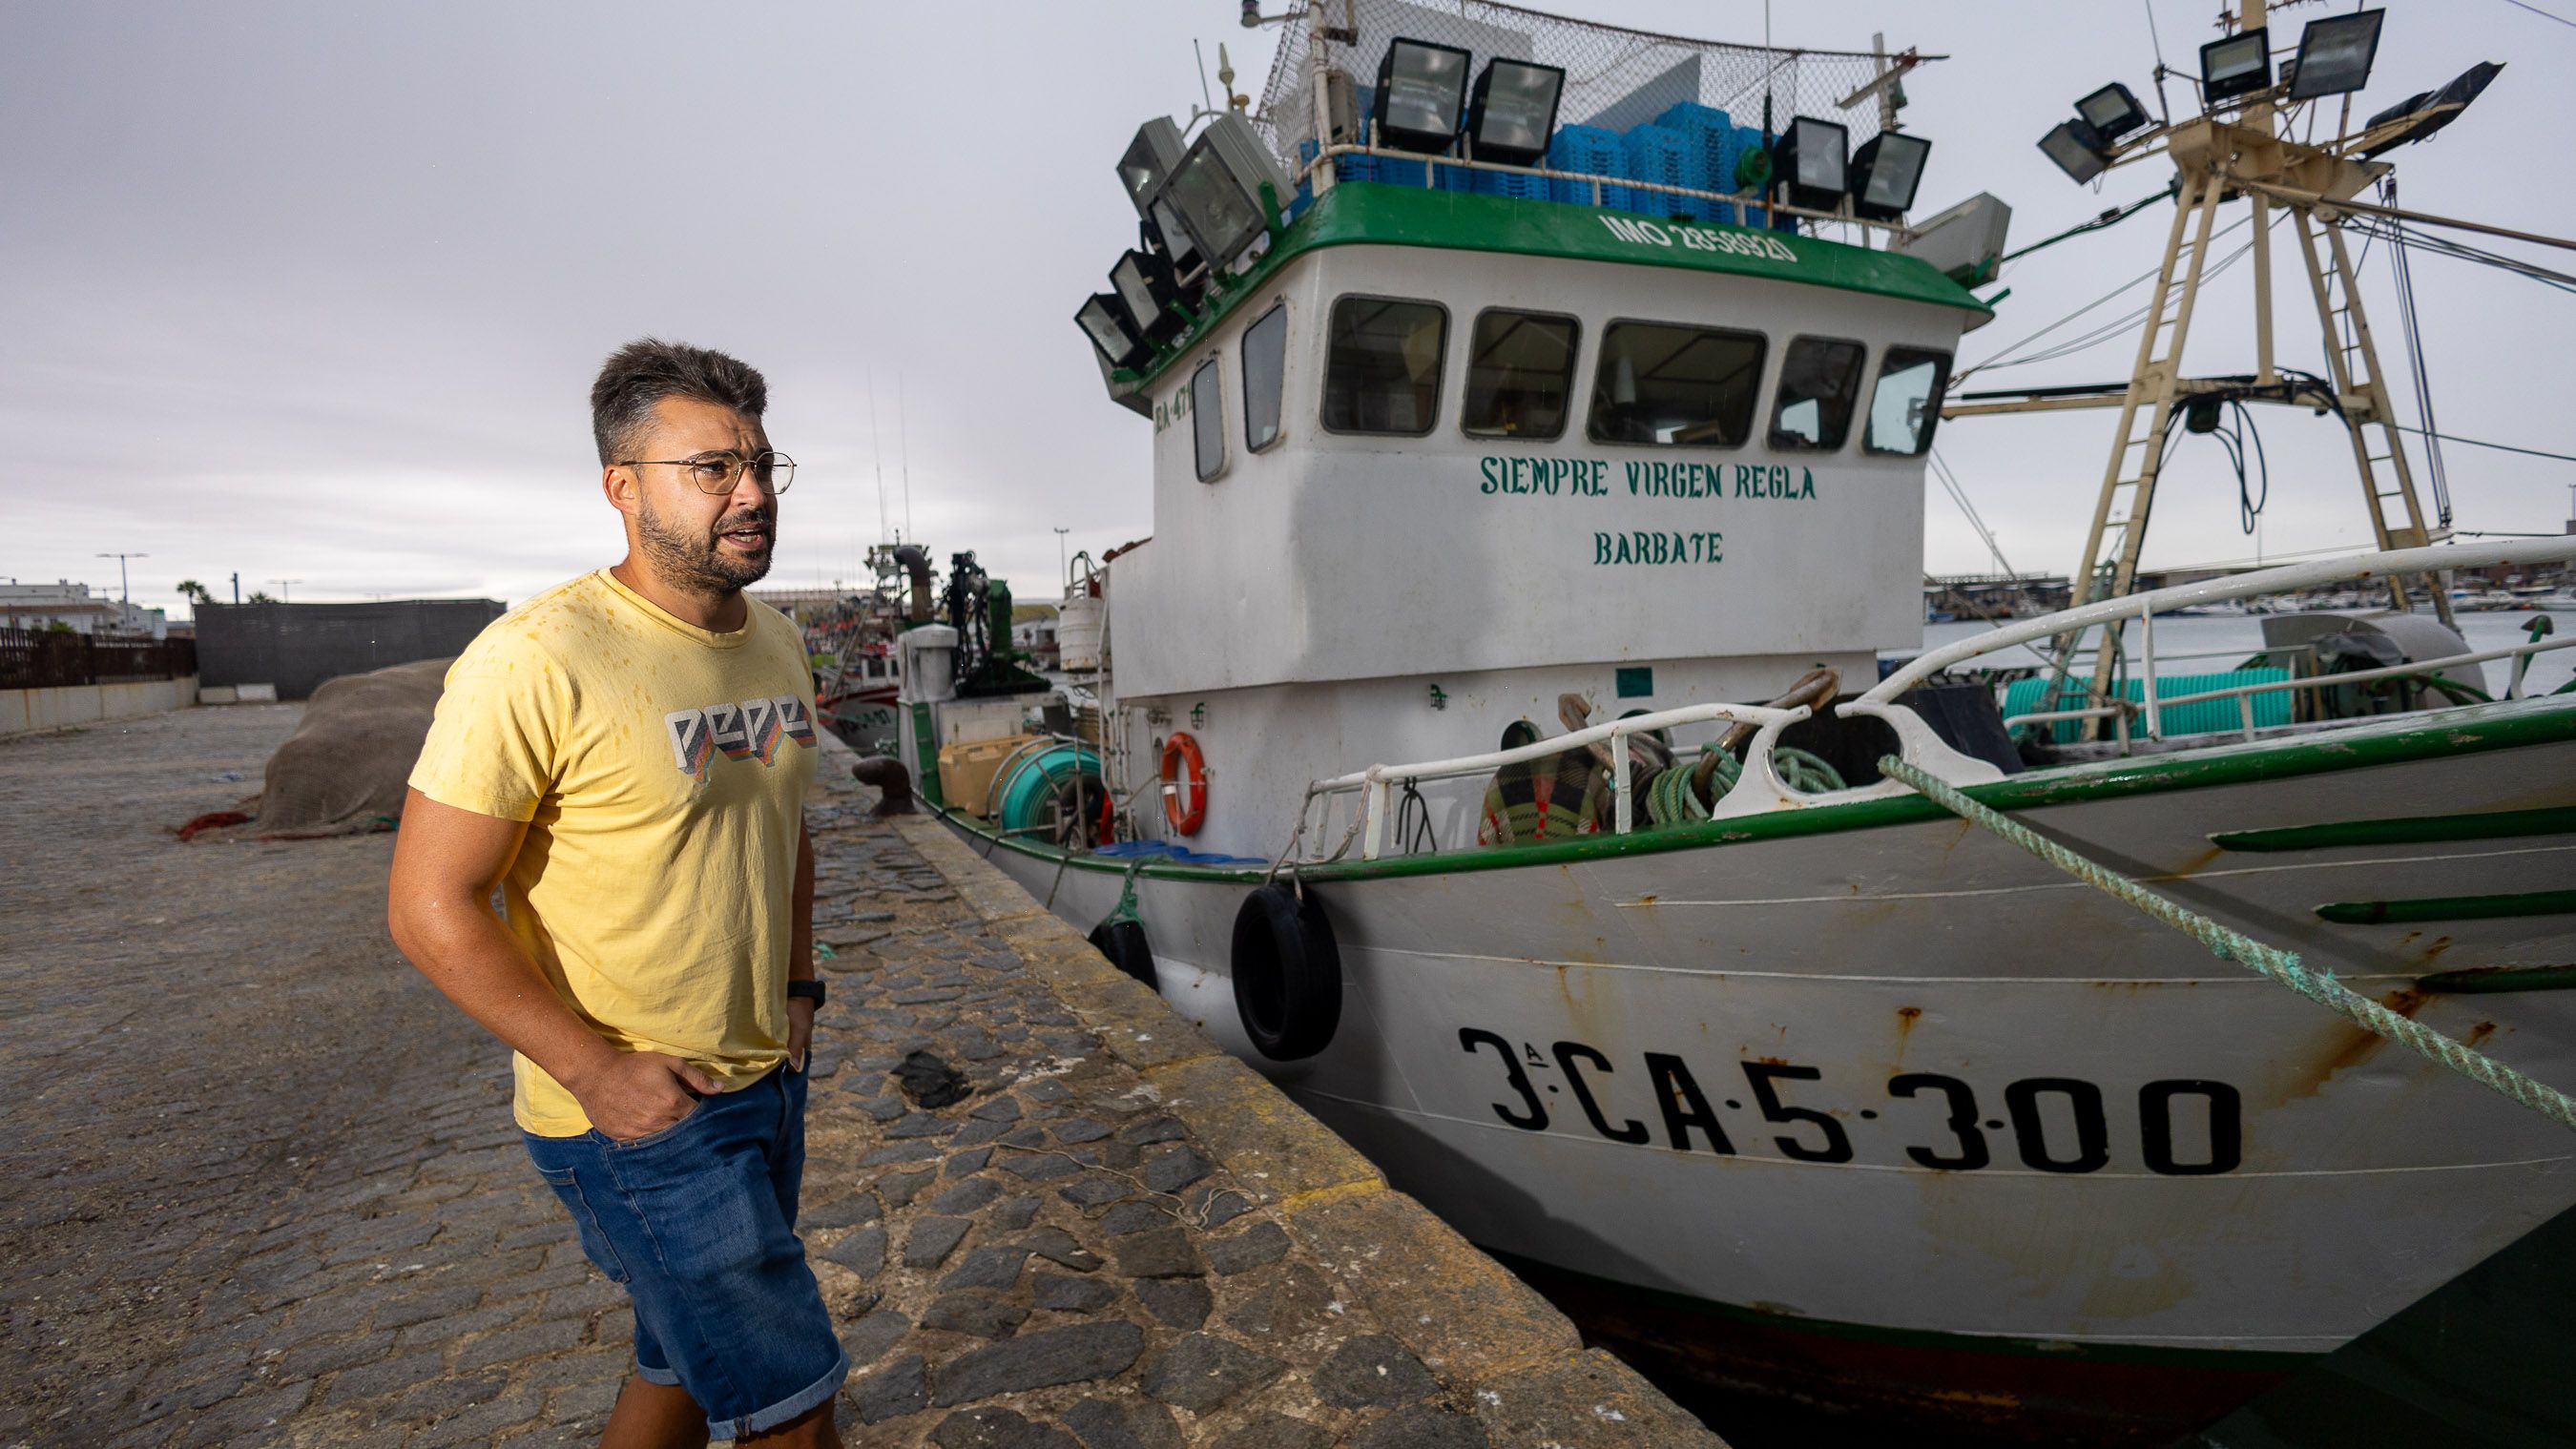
<point>2216,638</point>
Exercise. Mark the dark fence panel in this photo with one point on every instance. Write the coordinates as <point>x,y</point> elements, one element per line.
<point>297,646</point>
<point>45,659</point>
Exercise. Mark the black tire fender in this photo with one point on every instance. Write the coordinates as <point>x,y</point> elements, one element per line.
<point>1287,973</point>
<point>1123,942</point>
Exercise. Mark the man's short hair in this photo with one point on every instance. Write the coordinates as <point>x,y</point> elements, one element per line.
<point>647,370</point>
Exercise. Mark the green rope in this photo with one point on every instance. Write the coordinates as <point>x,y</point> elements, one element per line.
<point>2282,966</point>
<point>2113,217</point>
<point>1125,910</point>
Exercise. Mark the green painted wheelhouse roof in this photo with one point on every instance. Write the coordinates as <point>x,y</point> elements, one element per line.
<point>1368,213</point>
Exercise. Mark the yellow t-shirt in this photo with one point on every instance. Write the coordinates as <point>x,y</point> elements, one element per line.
<point>662,770</point>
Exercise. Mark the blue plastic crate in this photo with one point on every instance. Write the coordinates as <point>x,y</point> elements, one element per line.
<point>1709,134</point>
<point>1389,170</point>
<point>1519,188</point>
<point>1660,155</point>
<point>1595,151</point>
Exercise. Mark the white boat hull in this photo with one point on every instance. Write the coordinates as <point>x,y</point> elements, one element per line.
<point>1999,1103</point>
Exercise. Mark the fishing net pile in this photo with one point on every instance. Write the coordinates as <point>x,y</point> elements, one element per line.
<point>343,770</point>
<point>1571,792</point>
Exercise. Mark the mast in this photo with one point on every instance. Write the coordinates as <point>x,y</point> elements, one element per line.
<point>2219,158</point>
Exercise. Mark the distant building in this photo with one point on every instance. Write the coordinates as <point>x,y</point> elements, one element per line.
<point>42,606</point>
<point>802,605</point>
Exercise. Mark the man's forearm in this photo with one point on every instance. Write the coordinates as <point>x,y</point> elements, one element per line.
<point>800,912</point>
<point>475,963</point>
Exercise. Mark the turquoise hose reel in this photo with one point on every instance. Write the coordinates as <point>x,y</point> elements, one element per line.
<point>1039,778</point>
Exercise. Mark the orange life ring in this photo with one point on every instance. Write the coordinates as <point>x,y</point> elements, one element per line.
<point>1181,758</point>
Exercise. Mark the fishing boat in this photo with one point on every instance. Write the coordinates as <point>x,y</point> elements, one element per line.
<point>1487,745</point>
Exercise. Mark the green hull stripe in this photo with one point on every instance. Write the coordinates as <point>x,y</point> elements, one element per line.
<point>2495,980</point>
<point>2241,1360</point>
<point>2404,830</point>
<point>1370,213</point>
<point>2449,908</point>
<point>2521,725</point>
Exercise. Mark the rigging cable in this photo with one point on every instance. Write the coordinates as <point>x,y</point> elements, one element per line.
<point>2110,218</point>
<point>2499,447</point>
<point>2416,374</point>
<point>1949,482</point>
<point>2107,330</point>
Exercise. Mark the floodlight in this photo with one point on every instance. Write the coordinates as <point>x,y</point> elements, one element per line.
<point>1164,235</point>
<point>2238,65</point>
<point>1421,95</point>
<point>1885,172</point>
<point>2112,112</point>
<point>1145,285</point>
<point>1215,193</point>
<point>2433,109</point>
<point>1104,320</point>
<point>1811,163</point>
<point>2335,54</point>
<point>1149,160</point>
<point>2077,150</point>
<point>1514,110</point>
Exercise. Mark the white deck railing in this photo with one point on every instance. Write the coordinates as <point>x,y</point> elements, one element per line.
<point>2116,613</point>
<point>1758,789</point>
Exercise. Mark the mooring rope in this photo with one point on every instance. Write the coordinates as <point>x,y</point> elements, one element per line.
<point>2284,967</point>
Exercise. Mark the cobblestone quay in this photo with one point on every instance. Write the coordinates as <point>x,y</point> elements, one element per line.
<point>265,1189</point>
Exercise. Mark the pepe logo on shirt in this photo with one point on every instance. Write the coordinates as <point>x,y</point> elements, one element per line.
<point>750,730</point>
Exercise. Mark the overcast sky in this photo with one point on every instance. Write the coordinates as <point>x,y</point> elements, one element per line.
<point>315,292</point>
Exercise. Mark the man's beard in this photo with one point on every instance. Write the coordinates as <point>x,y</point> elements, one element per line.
<point>696,563</point>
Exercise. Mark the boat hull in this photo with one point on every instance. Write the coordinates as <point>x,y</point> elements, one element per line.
<point>1847,1106</point>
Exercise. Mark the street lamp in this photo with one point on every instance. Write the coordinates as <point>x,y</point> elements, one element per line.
<point>122,594</point>
<point>286,589</point>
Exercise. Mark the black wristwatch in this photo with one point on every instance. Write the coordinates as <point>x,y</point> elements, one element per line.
<point>810,990</point>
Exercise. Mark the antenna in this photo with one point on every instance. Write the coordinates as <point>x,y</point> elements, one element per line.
<point>903,439</point>
<point>1206,102</point>
<point>876,445</point>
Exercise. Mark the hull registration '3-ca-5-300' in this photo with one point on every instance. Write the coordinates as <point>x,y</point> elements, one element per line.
<point>1492,742</point>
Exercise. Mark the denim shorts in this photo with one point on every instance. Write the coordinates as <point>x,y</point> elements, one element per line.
<point>697,1222</point>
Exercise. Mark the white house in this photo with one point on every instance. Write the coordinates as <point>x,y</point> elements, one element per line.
<point>41,606</point>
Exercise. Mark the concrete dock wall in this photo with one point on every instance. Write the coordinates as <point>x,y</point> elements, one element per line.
<point>26,711</point>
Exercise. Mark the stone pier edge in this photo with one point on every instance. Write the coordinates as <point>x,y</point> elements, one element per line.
<point>1473,1324</point>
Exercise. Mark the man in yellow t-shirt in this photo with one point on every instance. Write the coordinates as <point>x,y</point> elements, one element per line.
<point>625,757</point>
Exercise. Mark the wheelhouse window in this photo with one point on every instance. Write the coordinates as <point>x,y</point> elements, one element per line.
<point>1382,366</point>
<point>1265,368</point>
<point>1207,418</point>
<point>1907,403</point>
<point>1819,386</point>
<point>1673,386</point>
<point>1520,375</point>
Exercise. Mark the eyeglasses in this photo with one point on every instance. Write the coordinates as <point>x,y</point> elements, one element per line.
<point>718,472</point>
